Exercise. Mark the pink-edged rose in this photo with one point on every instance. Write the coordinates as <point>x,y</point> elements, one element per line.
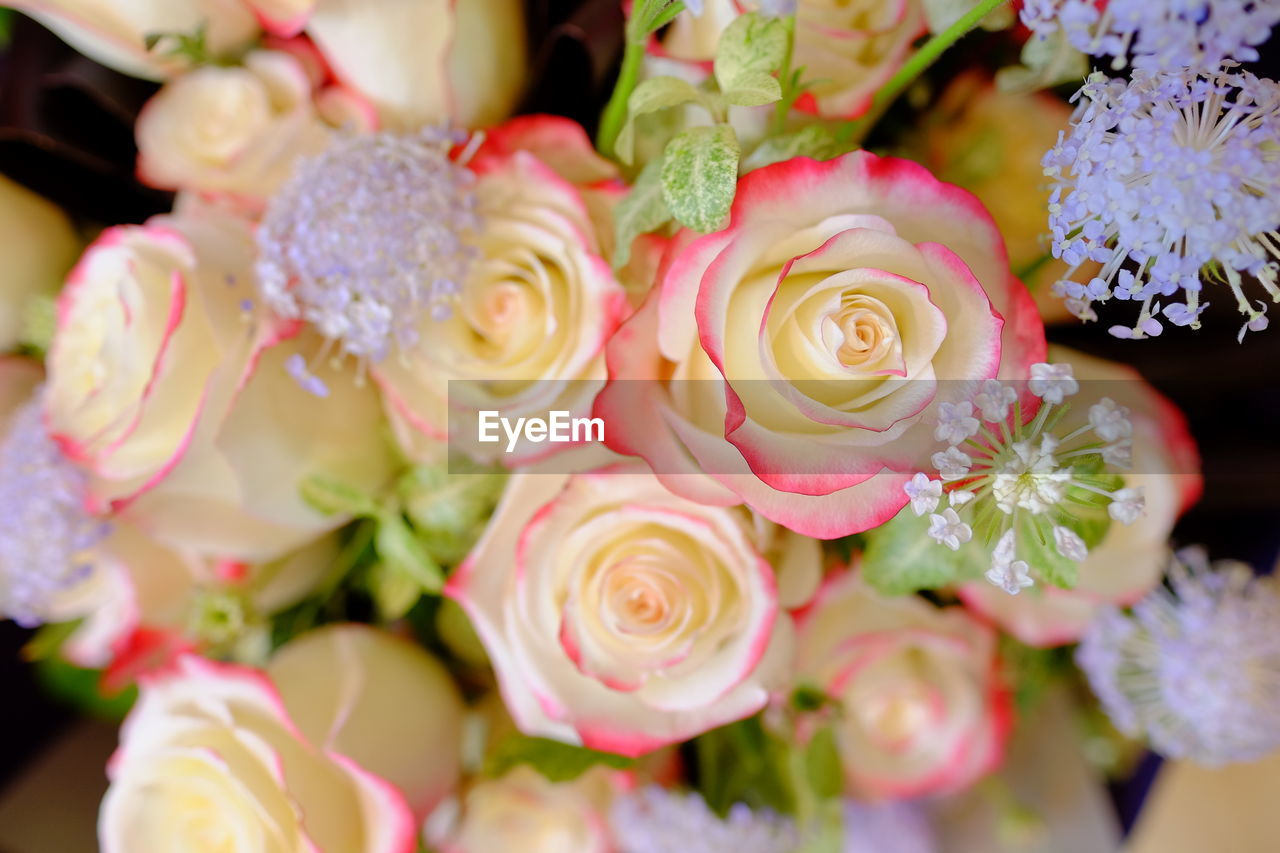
<point>624,618</point>
<point>151,335</point>
<point>211,760</point>
<point>848,48</point>
<point>114,32</point>
<point>415,61</point>
<point>922,707</point>
<point>793,361</point>
<point>237,130</point>
<point>1130,560</point>
<point>526,335</point>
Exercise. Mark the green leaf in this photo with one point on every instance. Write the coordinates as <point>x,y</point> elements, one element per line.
<point>82,689</point>
<point>641,211</point>
<point>656,93</point>
<point>400,549</point>
<point>822,764</point>
<point>754,89</point>
<point>751,44</point>
<point>902,559</point>
<point>449,505</point>
<point>743,763</point>
<point>557,761</point>
<point>816,141</point>
<point>331,496</point>
<point>1046,61</point>
<point>392,591</point>
<point>700,176</point>
<point>48,639</point>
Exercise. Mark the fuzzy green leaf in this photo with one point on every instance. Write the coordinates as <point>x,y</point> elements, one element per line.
<point>902,559</point>
<point>393,592</point>
<point>330,496</point>
<point>641,211</point>
<point>752,43</point>
<point>754,89</point>
<point>816,141</point>
<point>656,93</point>
<point>401,551</point>
<point>558,762</point>
<point>700,176</point>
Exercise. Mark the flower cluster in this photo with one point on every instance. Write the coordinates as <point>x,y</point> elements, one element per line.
<point>1159,34</point>
<point>45,530</point>
<point>1168,181</point>
<point>1196,666</point>
<point>1026,490</point>
<point>368,238</point>
<point>654,820</point>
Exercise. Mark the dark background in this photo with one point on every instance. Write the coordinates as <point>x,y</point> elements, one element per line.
<point>66,132</point>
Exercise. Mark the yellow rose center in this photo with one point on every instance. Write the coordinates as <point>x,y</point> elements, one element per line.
<point>641,599</point>
<point>895,717</point>
<point>868,331</point>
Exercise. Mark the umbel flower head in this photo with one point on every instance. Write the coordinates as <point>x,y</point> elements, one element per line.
<point>45,527</point>
<point>1159,34</point>
<point>655,820</point>
<point>1196,666</point>
<point>1169,181</point>
<point>369,238</point>
<point>1027,490</point>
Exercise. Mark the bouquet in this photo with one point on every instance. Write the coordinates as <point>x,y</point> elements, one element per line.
<point>438,472</point>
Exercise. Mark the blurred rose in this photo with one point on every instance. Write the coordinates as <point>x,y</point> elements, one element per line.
<point>236,492</point>
<point>1131,558</point>
<point>420,61</point>
<point>990,142</point>
<point>151,336</point>
<point>379,700</point>
<point>114,32</point>
<point>792,360</point>
<point>38,246</point>
<point>236,130</point>
<point>210,760</point>
<point>524,811</point>
<point>922,709</point>
<point>624,618</point>
<point>527,332</point>
<point>848,48</point>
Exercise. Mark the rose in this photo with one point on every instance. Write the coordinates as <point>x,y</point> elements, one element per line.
<point>416,62</point>
<point>210,757</point>
<point>39,246</point>
<point>114,32</point>
<point>1131,558</point>
<point>379,700</point>
<point>236,492</point>
<point>923,711</point>
<point>236,130</point>
<point>524,811</point>
<point>792,361</point>
<point>624,618</point>
<point>991,142</point>
<point>847,49</point>
<point>527,332</point>
<point>151,332</point>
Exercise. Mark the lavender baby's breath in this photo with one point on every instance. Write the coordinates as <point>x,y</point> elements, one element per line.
<point>655,820</point>
<point>1195,667</point>
<point>368,239</point>
<point>45,530</point>
<point>1170,182</point>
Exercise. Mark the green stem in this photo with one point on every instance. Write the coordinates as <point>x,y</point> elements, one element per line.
<point>919,62</point>
<point>783,107</point>
<point>615,112</point>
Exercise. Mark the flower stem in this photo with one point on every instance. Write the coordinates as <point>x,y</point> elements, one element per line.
<point>615,112</point>
<point>856,131</point>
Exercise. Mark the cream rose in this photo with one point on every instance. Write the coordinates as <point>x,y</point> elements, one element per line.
<point>922,709</point>
<point>1131,558</point>
<point>236,130</point>
<point>524,811</point>
<point>526,334</point>
<point>848,48</point>
<point>151,333</point>
<point>236,493</point>
<point>417,61</point>
<point>210,760</point>
<point>113,32</point>
<point>624,618</point>
<point>39,246</point>
<point>386,704</point>
<point>794,360</point>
